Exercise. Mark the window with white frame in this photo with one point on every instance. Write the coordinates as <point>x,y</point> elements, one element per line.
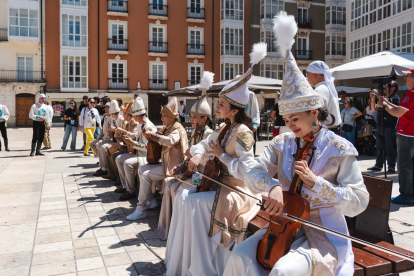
<point>118,78</point>
<point>379,41</point>
<point>158,81</point>
<point>25,68</point>
<point>195,9</point>
<point>269,8</point>
<point>195,74</point>
<point>232,41</point>
<point>158,39</point>
<point>23,22</point>
<point>268,37</point>
<point>271,69</point>
<point>406,35</point>
<point>195,45</point>
<point>231,70</point>
<point>74,72</point>
<point>74,30</point>
<point>302,15</point>
<point>364,47</point>
<point>232,9</point>
<point>386,40</point>
<point>396,37</point>
<point>372,43</point>
<point>118,37</point>
<point>356,48</point>
<point>302,47</point>
<point>74,2</point>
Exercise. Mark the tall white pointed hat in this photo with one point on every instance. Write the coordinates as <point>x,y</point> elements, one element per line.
<point>236,91</point>
<point>114,107</point>
<point>296,94</point>
<point>201,107</point>
<point>171,108</point>
<point>138,107</point>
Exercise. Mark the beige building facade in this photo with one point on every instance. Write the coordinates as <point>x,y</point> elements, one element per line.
<point>22,61</point>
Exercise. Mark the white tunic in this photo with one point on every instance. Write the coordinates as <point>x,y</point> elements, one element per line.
<point>89,118</point>
<point>329,102</point>
<point>4,113</point>
<point>39,110</point>
<point>346,195</point>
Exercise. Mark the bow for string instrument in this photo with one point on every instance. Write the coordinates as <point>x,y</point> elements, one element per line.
<point>186,173</point>
<point>311,224</point>
<point>212,167</point>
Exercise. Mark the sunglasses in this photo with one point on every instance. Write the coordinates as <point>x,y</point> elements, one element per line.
<point>92,102</point>
<point>72,103</point>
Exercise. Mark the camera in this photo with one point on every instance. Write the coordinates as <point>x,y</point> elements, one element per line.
<point>384,80</point>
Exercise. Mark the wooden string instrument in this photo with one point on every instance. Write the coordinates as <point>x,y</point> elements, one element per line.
<point>212,167</point>
<point>186,173</point>
<point>154,149</point>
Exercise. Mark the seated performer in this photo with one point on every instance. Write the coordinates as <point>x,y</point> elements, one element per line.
<point>128,163</point>
<point>200,113</point>
<point>104,135</point>
<point>332,184</point>
<point>207,226</point>
<point>174,144</point>
<point>130,130</point>
<point>117,121</point>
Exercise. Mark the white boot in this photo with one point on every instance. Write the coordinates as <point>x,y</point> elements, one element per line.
<point>152,204</point>
<point>137,214</point>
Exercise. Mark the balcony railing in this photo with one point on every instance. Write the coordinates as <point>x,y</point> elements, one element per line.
<point>117,6</point>
<point>160,10</point>
<point>158,84</point>
<point>22,76</point>
<point>195,49</point>
<point>117,83</point>
<point>193,82</point>
<point>338,21</point>
<point>304,23</point>
<point>158,47</point>
<point>195,13</point>
<point>3,34</point>
<point>115,44</point>
<point>303,55</point>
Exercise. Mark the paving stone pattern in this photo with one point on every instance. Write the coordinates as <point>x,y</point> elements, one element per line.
<point>58,219</point>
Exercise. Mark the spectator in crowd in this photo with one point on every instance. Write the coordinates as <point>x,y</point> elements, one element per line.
<point>341,95</point>
<point>349,115</point>
<point>46,140</point>
<point>135,96</point>
<point>252,109</point>
<point>88,120</point>
<point>405,140</point>
<point>83,105</point>
<point>71,118</point>
<point>182,112</point>
<point>369,115</point>
<point>121,106</point>
<point>389,131</point>
<point>279,124</point>
<point>101,111</point>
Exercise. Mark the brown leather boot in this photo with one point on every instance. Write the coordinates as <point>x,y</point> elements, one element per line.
<point>100,172</point>
<point>127,196</point>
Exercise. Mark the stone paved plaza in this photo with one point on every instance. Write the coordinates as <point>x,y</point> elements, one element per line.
<point>58,219</point>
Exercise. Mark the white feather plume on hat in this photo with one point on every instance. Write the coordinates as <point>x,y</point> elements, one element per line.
<point>258,53</point>
<point>206,81</point>
<point>284,29</point>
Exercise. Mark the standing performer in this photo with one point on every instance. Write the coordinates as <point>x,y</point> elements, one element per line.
<point>174,144</point>
<point>130,130</point>
<point>200,118</point>
<point>46,140</point>
<point>117,121</point>
<point>207,226</point>
<point>128,163</point>
<point>88,120</point>
<point>39,113</point>
<point>4,116</point>
<point>332,184</point>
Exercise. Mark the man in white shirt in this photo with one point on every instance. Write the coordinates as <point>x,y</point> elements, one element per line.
<point>4,116</point>
<point>46,140</point>
<point>321,79</point>
<point>39,113</point>
<point>252,109</point>
<point>182,112</point>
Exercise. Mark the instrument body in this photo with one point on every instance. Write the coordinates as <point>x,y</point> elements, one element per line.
<point>113,134</point>
<point>278,238</point>
<point>212,167</point>
<point>154,150</point>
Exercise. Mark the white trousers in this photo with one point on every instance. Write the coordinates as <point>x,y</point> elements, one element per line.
<point>127,163</point>
<point>103,153</point>
<point>243,262</point>
<point>147,174</point>
<point>96,144</point>
<point>190,251</point>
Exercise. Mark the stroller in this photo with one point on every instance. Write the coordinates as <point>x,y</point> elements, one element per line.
<point>365,144</point>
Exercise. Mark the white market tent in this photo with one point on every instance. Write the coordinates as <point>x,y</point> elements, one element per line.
<point>380,64</point>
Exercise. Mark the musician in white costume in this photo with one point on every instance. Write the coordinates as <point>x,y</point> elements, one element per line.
<point>332,183</point>
<point>200,113</point>
<point>206,227</point>
<point>128,163</point>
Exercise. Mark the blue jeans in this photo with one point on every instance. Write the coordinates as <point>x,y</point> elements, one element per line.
<point>389,147</point>
<point>70,129</point>
<point>350,136</point>
<point>405,147</point>
<point>97,131</point>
